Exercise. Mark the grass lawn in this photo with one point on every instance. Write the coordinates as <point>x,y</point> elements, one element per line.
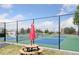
<point>14,50</point>
<point>10,50</point>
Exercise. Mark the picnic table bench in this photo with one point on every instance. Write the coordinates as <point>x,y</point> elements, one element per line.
<point>30,50</point>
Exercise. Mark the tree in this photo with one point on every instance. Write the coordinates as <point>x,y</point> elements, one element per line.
<point>50,32</point>
<point>76,18</point>
<point>28,30</point>
<point>22,31</point>
<point>3,33</point>
<point>70,30</point>
<point>46,31</point>
<point>39,31</point>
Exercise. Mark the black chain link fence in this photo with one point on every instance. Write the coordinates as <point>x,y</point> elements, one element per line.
<point>54,32</point>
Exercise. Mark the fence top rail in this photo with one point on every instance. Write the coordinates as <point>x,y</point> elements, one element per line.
<point>41,18</point>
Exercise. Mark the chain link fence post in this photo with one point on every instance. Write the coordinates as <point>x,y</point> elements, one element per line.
<point>4,31</point>
<point>17,31</point>
<point>59,32</point>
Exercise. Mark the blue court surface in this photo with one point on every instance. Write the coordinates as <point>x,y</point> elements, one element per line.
<point>67,42</point>
<point>42,41</point>
<point>50,41</point>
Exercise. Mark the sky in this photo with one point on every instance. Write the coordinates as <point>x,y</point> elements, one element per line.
<point>14,12</point>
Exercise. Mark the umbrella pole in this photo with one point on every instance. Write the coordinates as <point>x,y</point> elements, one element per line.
<point>31,42</point>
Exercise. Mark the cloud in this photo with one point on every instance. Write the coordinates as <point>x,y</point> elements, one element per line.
<point>3,17</point>
<point>18,17</point>
<point>6,6</point>
<point>53,26</point>
<point>68,23</point>
<point>67,8</point>
<point>12,25</point>
<point>45,25</point>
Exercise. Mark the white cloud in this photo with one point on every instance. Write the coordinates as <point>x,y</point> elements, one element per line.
<point>15,18</point>
<point>18,17</point>
<point>53,26</point>
<point>66,8</point>
<point>45,25</point>
<point>61,12</point>
<point>50,25</point>
<point>6,6</point>
<point>68,23</point>
<point>3,17</point>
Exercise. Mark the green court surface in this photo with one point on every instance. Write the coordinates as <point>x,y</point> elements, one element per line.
<point>71,42</point>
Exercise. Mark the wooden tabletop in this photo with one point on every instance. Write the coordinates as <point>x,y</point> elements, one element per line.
<point>31,46</point>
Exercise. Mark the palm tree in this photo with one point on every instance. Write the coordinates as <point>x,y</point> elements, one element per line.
<point>76,18</point>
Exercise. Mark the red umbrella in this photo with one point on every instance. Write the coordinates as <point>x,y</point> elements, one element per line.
<point>32,34</point>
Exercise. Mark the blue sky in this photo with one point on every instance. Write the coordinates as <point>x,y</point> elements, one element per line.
<point>35,11</point>
<point>13,12</point>
<point>31,11</point>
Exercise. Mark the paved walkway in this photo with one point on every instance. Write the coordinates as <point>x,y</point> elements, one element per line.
<point>3,44</point>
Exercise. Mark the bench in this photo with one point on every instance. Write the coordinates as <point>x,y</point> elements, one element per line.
<point>22,52</point>
<point>39,51</point>
<point>26,53</point>
<point>30,50</point>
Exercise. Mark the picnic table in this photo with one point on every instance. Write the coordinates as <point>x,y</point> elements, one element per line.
<point>30,50</point>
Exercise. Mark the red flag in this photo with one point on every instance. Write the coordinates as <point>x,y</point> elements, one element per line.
<point>32,34</point>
